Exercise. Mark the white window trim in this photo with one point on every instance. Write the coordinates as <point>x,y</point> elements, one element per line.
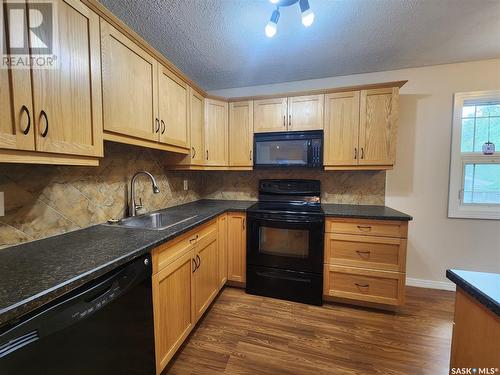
<point>455,207</point>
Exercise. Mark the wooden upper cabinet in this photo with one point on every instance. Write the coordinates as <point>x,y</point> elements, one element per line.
<point>236,247</point>
<point>16,107</point>
<point>305,112</point>
<point>130,92</point>
<point>196,121</point>
<point>270,115</point>
<point>67,99</point>
<point>241,134</point>
<point>378,126</point>
<point>341,128</point>
<point>173,307</point>
<point>173,109</point>
<point>216,133</point>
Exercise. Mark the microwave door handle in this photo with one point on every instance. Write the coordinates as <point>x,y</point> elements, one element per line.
<point>309,152</point>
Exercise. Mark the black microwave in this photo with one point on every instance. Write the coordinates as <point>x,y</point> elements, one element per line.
<point>289,149</point>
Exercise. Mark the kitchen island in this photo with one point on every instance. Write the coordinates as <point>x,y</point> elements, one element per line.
<point>476,329</point>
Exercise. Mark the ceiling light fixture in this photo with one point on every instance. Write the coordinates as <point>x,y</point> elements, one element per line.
<point>307,15</point>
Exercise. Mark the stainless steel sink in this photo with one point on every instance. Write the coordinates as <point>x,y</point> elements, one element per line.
<point>154,221</point>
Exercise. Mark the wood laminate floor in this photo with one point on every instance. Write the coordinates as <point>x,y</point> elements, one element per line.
<point>245,334</point>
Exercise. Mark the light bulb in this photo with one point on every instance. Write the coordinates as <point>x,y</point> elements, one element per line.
<point>307,13</point>
<point>272,25</point>
<point>270,29</point>
<point>274,1</point>
<point>308,18</point>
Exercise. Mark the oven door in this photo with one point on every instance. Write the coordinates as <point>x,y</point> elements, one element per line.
<point>293,242</point>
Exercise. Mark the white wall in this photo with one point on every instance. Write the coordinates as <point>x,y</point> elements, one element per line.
<point>418,185</point>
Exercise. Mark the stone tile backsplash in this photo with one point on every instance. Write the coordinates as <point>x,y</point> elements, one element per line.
<point>350,187</point>
<point>42,201</point>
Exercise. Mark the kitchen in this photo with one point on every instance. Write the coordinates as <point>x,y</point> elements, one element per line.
<point>287,221</point>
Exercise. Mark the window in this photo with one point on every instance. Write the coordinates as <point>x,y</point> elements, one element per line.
<point>475,156</point>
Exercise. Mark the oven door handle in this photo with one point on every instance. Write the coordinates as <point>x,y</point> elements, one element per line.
<point>276,275</point>
<point>305,221</point>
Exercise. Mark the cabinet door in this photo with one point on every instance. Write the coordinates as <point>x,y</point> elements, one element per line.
<point>341,128</point>
<point>241,134</point>
<point>222,244</point>
<point>173,107</point>
<point>207,274</point>
<point>216,133</point>
<point>16,124</point>
<point>67,99</point>
<point>378,126</point>
<point>305,112</point>
<point>236,247</point>
<point>130,93</point>
<point>196,114</point>
<point>269,115</point>
<point>174,314</point>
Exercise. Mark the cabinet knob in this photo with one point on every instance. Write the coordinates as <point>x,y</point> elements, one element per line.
<point>355,153</point>
<point>284,121</point>
<point>250,154</point>
<point>290,120</point>
<point>362,152</point>
<point>45,131</point>
<point>26,129</point>
<point>163,127</point>
<point>157,122</point>
<point>194,153</point>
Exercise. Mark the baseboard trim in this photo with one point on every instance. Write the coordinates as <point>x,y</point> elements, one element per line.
<point>431,284</point>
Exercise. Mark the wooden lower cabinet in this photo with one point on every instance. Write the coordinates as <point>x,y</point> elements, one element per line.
<point>206,273</point>
<point>236,247</point>
<point>365,260</point>
<point>173,306</point>
<point>222,244</point>
<point>185,281</point>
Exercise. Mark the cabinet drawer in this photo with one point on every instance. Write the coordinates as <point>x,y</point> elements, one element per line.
<point>166,253</point>
<point>381,228</point>
<point>364,285</point>
<point>206,232</point>
<point>379,253</point>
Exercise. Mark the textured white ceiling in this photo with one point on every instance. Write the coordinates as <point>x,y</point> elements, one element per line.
<point>221,43</point>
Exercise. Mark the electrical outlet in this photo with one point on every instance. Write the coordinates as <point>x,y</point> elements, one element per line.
<point>185,184</point>
<point>2,205</point>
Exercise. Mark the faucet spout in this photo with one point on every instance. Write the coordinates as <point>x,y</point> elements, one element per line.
<point>133,207</point>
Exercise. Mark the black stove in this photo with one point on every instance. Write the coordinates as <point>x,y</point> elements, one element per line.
<point>285,241</point>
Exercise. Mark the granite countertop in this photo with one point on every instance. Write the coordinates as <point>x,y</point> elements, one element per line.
<point>484,287</point>
<point>364,212</point>
<point>35,273</point>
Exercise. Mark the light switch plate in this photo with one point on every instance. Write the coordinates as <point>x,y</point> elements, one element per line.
<point>2,205</point>
<point>185,184</point>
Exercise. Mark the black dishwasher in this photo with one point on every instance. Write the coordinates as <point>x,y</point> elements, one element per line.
<point>103,327</point>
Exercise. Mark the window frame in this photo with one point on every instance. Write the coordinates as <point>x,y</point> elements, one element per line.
<point>456,207</point>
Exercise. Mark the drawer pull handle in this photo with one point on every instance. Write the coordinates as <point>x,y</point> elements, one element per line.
<point>198,261</point>
<point>363,252</point>
<point>362,285</point>
<point>364,228</point>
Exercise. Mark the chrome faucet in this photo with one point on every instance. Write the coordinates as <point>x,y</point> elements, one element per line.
<point>133,207</point>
